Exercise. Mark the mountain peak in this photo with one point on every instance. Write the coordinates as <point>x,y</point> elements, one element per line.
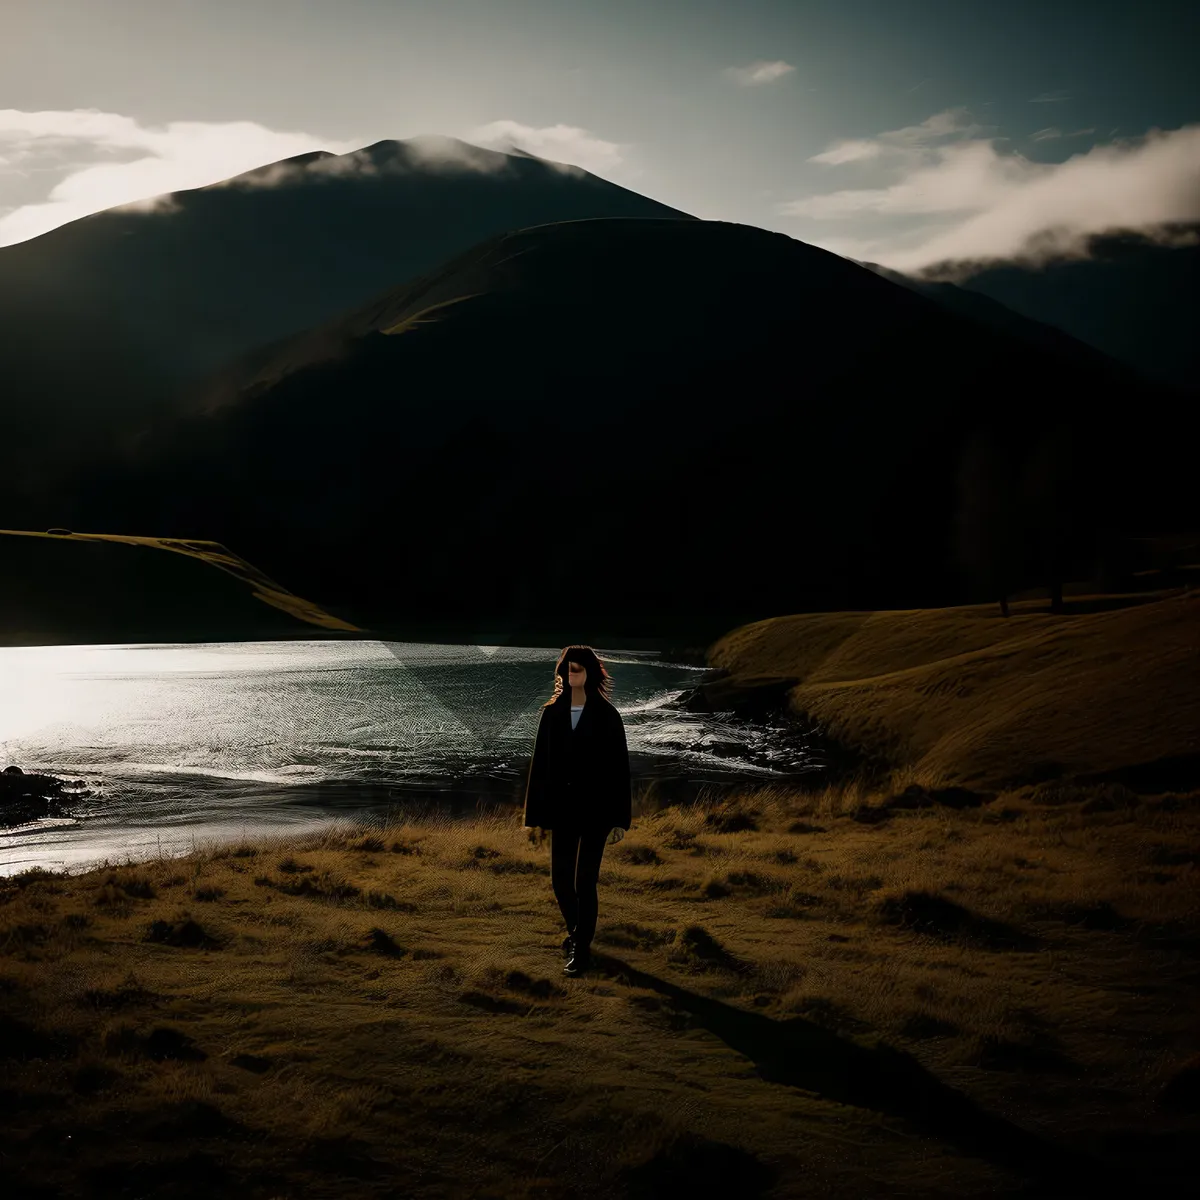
<point>433,151</point>
<point>423,154</point>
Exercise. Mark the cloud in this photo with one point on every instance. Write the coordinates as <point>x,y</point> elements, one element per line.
<point>953,122</point>
<point>80,146</point>
<point>435,152</point>
<point>849,151</point>
<point>416,155</point>
<point>1050,97</point>
<point>1052,131</point>
<point>972,201</point>
<point>565,147</point>
<point>759,72</point>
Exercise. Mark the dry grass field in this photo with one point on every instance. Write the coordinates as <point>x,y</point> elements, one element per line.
<point>1110,687</point>
<point>967,972</point>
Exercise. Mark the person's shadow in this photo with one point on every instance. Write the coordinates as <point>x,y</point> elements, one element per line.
<point>876,1076</point>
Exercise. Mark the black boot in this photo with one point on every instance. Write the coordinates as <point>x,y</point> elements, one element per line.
<point>580,960</point>
<point>568,945</point>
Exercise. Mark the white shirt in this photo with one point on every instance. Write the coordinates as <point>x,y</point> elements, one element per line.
<point>617,833</point>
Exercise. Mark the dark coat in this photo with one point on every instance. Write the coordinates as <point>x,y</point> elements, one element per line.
<point>580,776</point>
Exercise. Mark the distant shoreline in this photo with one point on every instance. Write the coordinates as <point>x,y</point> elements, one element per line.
<point>688,652</point>
<point>459,798</point>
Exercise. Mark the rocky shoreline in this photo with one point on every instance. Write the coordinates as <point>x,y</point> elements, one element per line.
<point>759,699</point>
<point>26,795</point>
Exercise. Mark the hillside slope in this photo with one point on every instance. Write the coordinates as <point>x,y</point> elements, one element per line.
<point>1129,294</point>
<point>106,319</point>
<point>695,408</point>
<point>965,696</point>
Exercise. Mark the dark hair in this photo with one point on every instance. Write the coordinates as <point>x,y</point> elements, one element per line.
<point>597,683</point>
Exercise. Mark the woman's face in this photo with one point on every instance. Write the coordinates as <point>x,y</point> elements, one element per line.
<point>576,674</point>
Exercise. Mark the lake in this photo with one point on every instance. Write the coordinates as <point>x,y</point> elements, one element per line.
<point>177,745</point>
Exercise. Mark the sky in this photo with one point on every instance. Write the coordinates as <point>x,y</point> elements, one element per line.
<point>902,132</point>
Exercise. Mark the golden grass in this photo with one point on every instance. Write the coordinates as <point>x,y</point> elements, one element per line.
<point>970,697</point>
<point>386,1004</point>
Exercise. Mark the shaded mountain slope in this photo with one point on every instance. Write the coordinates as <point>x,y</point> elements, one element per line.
<point>622,417</point>
<point>986,311</point>
<point>1132,297</point>
<point>105,319</point>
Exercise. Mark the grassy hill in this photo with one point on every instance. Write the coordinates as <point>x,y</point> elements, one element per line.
<point>964,696</point>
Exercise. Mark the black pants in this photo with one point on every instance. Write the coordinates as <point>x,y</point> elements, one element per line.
<point>575,856</point>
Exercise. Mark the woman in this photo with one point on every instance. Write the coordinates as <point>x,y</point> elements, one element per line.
<point>579,789</point>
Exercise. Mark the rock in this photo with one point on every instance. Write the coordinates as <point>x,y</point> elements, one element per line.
<point>695,694</point>
<point>870,814</point>
<point>19,789</point>
<point>750,696</point>
<point>916,796</point>
<point>913,796</point>
<point>719,746</point>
